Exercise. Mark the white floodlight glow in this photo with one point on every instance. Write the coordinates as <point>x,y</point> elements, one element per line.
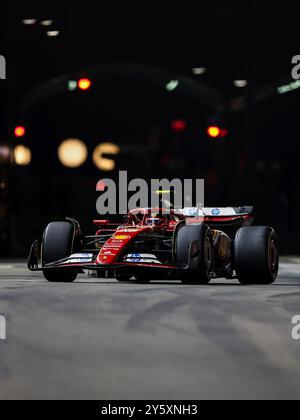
<point>240,83</point>
<point>72,85</point>
<point>199,71</point>
<point>47,22</point>
<point>29,21</point>
<point>52,34</point>
<point>172,85</point>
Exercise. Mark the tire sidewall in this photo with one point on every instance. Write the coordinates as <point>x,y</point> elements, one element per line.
<point>252,261</point>
<point>194,248</point>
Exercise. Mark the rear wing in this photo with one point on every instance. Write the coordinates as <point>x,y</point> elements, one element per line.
<point>217,211</point>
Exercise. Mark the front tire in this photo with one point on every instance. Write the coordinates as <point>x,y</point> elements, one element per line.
<point>123,278</point>
<point>256,255</point>
<point>194,250</point>
<point>60,275</point>
<point>58,243</point>
<point>142,278</point>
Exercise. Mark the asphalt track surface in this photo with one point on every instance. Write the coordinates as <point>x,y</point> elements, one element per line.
<point>97,339</point>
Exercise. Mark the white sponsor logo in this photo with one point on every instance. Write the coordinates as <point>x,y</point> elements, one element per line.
<point>80,258</point>
<point>142,258</point>
<point>209,212</point>
<point>113,246</point>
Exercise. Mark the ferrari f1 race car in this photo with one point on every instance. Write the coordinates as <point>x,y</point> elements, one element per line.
<point>194,245</point>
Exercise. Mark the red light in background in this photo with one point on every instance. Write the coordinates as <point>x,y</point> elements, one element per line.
<point>20,131</point>
<point>84,84</point>
<point>214,132</point>
<point>224,133</point>
<point>178,126</point>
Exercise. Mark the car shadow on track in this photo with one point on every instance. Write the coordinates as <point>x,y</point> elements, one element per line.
<point>157,283</point>
<point>291,283</point>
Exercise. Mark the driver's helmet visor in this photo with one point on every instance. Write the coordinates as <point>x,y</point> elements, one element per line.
<point>154,221</point>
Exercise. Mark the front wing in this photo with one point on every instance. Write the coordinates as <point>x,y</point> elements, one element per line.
<point>85,261</point>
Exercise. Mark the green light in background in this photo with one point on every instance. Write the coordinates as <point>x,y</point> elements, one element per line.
<point>288,88</point>
<point>172,85</point>
<point>72,85</point>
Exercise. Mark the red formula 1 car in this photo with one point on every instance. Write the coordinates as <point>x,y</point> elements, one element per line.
<point>192,245</point>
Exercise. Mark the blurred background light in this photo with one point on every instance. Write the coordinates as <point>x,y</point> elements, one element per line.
<point>198,71</point>
<point>84,84</point>
<point>20,131</point>
<point>172,85</point>
<point>214,132</point>
<point>72,153</point>
<point>22,155</point>
<point>240,83</point>
<point>52,34</point>
<point>29,21</point>
<point>47,22</point>
<point>178,126</point>
<point>5,154</point>
<point>101,162</point>
<point>288,88</point>
<point>72,85</point>
<point>224,133</point>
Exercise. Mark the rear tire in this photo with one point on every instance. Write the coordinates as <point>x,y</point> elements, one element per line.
<point>256,255</point>
<point>58,243</point>
<point>194,249</point>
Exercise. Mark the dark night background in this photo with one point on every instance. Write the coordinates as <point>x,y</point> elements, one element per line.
<point>131,51</point>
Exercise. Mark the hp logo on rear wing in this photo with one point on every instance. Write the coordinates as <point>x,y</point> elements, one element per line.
<point>2,67</point>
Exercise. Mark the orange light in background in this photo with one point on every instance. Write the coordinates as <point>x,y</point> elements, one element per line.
<point>84,84</point>
<point>22,156</point>
<point>103,163</point>
<point>214,132</point>
<point>20,131</point>
<point>72,153</point>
